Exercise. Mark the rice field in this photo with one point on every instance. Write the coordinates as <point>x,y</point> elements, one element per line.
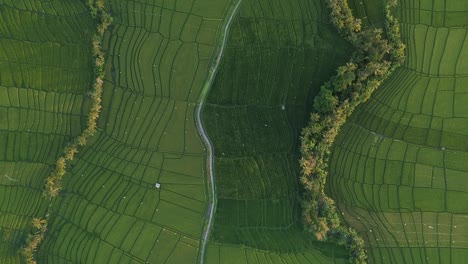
<point>138,191</point>
<point>45,71</point>
<point>110,209</point>
<point>398,169</point>
<point>277,55</point>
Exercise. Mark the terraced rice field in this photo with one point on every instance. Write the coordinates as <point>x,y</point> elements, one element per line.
<point>45,71</point>
<point>399,166</point>
<point>398,170</point>
<point>158,57</point>
<point>277,52</point>
<point>109,210</point>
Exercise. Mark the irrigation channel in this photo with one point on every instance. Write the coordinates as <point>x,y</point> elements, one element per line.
<point>231,12</point>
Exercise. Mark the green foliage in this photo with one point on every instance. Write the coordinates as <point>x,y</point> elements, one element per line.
<point>34,240</point>
<point>400,139</point>
<point>392,28</point>
<point>352,242</point>
<point>375,59</point>
<point>257,98</point>
<point>53,183</point>
<point>344,78</point>
<point>325,102</point>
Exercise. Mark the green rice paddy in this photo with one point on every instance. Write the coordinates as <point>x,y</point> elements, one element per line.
<point>277,52</point>
<point>45,71</point>
<point>398,168</point>
<point>138,192</point>
<point>109,210</point>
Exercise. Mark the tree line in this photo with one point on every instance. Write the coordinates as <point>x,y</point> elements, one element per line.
<point>53,183</point>
<point>378,52</point>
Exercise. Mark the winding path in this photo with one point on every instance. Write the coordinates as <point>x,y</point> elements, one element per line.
<point>210,78</point>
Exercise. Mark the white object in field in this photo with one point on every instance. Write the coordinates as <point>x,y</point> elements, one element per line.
<point>157,185</point>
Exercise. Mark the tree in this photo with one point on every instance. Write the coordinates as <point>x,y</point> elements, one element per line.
<point>325,101</point>
<point>96,45</point>
<point>345,77</point>
<point>81,140</point>
<point>39,223</point>
<point>98,85</point>
<point>392,3</point>
<point>99,61</point>
<point>53,183</point>
<point>307,166</point>
<point>71,151</point>
<point>61,164</point>
<point>356,25</point>
<point>100,5</point>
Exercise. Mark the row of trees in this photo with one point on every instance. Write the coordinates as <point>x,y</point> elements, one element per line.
<point>53,183</point>
<point>34,239</point>
<point>98,11</point>
<point>377,55</point>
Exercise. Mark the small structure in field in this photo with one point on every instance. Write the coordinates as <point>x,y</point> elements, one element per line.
<point>157,185</point>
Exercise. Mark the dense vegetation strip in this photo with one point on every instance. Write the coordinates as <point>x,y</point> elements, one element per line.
<point>377,55</point>
<point>53,183</point>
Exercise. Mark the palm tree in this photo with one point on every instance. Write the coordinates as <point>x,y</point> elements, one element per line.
<point>307,166</point>
<point>393,3</point>
<point>81,140</point>
<point>99,83</point>
<point>96,45</point>
<point>70,152</point>
<point>54,191</point>
<point>99,61</point>
<point>39,223</point>
<point>61,164</point>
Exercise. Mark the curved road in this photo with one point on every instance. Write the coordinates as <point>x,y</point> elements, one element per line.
<point>201,129</point>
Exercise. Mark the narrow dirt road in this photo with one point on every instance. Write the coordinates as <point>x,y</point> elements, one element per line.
<point>212,73</point>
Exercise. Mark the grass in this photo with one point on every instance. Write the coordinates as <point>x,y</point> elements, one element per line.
<point>276,53</point>
<point>397,168</point>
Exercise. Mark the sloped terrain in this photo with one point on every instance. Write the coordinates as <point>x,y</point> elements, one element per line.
<point>158,54</point>
<point>45,72</point>
<point>138,192</point>
<point>399,166</point>
<point>277,55</point>
<point>110,210</point>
